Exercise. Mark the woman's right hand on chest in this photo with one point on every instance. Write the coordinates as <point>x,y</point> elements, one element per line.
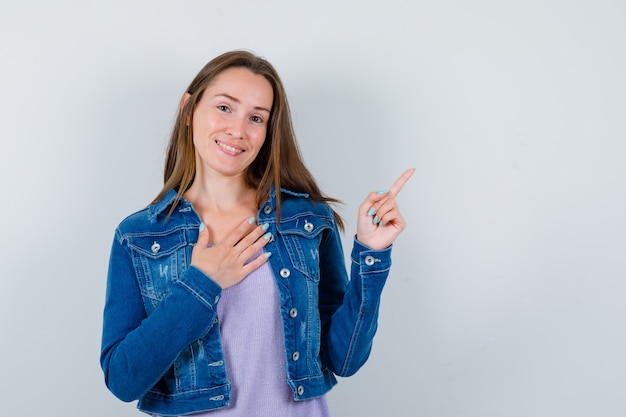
<point>227,261</point>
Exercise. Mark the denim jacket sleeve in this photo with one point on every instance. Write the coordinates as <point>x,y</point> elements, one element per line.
<point>137,349</point>
<point>349,309</point>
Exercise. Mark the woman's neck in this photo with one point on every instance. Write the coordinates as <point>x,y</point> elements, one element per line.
<point>222,198</point>
<point>221,195</point>
<point>222,205</point>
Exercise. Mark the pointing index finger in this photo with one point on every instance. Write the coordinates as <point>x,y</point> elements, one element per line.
<point>397,186</point>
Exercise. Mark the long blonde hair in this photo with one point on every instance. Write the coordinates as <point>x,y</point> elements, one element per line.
<point>278,163</point>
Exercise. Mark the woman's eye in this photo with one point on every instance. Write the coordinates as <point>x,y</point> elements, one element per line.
<point>223,108</point>
<point>256,119</point>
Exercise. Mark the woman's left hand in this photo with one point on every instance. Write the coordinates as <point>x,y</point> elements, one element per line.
<point>380,222</point>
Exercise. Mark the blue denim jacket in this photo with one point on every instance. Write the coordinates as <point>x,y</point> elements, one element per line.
<point>161,342</point>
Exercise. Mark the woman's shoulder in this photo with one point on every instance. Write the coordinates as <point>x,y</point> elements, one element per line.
<point>135,221</point>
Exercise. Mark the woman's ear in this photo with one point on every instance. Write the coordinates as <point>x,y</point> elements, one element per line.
<point>183,101</point>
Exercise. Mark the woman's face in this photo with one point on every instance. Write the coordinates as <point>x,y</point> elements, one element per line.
<point>230,122</point>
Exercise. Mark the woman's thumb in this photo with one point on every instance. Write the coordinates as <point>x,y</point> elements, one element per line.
<point>203,236</point>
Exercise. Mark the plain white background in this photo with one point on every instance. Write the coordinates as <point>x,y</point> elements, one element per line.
<point>507,296</point>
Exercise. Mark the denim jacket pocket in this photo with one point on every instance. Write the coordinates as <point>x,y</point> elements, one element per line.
<point>302,236</point>
<point>158,260</point>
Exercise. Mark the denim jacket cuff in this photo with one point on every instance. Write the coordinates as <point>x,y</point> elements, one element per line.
<point>202,286</point>
<point>371,260</point>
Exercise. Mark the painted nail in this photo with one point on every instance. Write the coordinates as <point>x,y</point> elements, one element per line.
<point>201,228</point>
<point>375,219</point>
<point>267,236</point>
<point>383,191</point>
<point>372,211</point>
<point>251,220</point>
<point>265,226</point>
<point>267,255</point>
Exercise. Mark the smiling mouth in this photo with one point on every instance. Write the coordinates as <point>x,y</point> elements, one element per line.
<point>228,148</point>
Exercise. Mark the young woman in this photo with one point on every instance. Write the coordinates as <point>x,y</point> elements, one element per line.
<point>228,295</point>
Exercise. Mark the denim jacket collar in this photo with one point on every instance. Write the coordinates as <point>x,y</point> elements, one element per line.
<point>286,191</point>
<point>157,208</point>
<point>168,199</point>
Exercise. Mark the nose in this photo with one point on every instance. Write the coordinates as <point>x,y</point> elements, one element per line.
<point>236,127</point>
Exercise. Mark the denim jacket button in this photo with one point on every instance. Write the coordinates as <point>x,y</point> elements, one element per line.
<point>300,390</point>
<point>369,260</point>
<point>293,313</point>
<point>285,273</point>
<point>155,247</point>
<point>308,226</point>
<point>267,209</point>
<point>295,356</point>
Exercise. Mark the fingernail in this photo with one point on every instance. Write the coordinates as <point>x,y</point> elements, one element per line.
<point>201,228</point>
<point>265,226</point>
<point>372,211</point>
<point>380,223</point>
<point>251,220</point>
<point>383,191</point>
<point>375,219</point>
<point>267,236</point>
<point>267,255</point>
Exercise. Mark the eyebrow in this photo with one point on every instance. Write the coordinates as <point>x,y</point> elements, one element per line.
<point>236,100</point>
